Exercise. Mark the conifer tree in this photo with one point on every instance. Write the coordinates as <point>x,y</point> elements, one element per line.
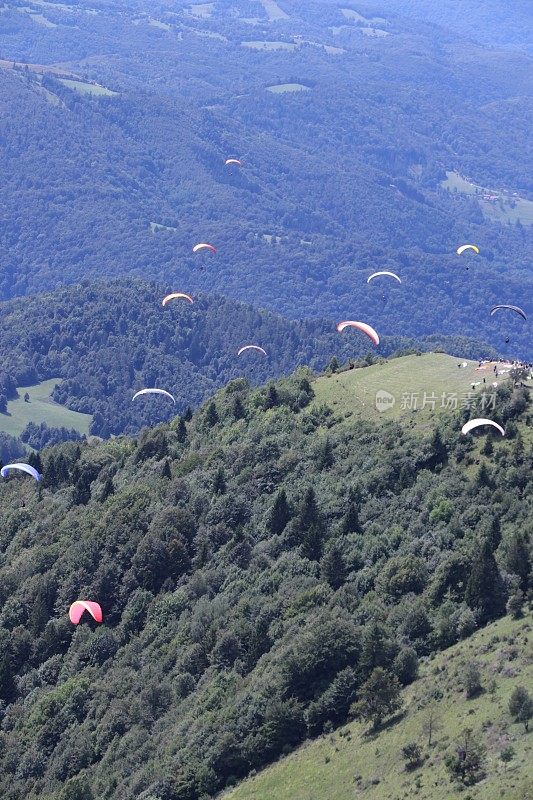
<point>82,491</point>
<point>272,398</point>
<point>350,522</point>
<point>211,415</point>
<point>518,450</point>
<point>238,408</point>
<point>219,483</point>
<point>49,473</point>
<point>325,454</point>
<point>308,527</point>
<point>34,460</point>
<point>488,447</point>
<point>181,430</point>
<point>333,365</point>
<point>332,566</point>
<point>518,560</point>
<point>483,476</point>
<point>108,489</point>
<point>494,533</point>
<point>438,449</point>
<point>279,514</point>
<point>484,591</point>
<point>62,469</point>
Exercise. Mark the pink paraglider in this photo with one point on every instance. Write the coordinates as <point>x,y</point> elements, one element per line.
<point>362,326</point>
<point>79,607</point>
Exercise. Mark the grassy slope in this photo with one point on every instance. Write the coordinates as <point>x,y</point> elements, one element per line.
<point>326,769</point>
<point>41,408</point>
<point>354,392</point>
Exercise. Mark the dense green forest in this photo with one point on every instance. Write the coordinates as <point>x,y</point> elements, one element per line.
<point>338,181</point>
<point>264,569</point>
<point>107,341</point>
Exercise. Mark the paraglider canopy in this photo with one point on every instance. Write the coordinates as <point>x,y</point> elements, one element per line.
<point>233,161</point>
<point>176,296</point>
<point>362,326</point>
<point>203,246</point>
<point>384,272</point>
<point>476,423</point>
<point>251,347</point>
<point>517,309</point>
<point>79,607</point>
<point>23,468</point>
<point>154,391</point>
<point>464,247</point>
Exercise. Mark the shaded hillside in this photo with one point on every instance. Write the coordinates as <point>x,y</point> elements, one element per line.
<point>255,566</point>
<point>108,340</point>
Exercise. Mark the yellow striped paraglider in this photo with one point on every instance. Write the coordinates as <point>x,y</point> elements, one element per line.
<point>461,250</point>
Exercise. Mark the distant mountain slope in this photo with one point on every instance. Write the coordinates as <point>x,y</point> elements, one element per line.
<point>255,567</point>
<point>108,340</point>
<point>337,182</point>
<point>488,22</point>
<point>373,765</point>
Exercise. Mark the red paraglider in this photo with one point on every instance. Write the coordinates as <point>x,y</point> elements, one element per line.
<point>79,607</point>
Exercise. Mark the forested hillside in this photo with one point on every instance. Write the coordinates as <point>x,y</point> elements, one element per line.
<point>109,340</point>
<point>339,179</point>
<point>263,569</point>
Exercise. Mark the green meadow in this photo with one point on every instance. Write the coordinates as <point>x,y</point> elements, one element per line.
<point>41,408</point>
<point>87,88</point>
<point>425,379</point>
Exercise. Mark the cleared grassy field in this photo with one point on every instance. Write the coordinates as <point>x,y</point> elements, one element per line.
<point>433,377</point>
<point>269,45</point>
<point>87,88</point>
<point>41,408</point>
<point>374,32</point>
<point>351,763</point>
<point>156,226</point>
<point>275,13</point>
<point>202,10</point>
<point>284,88</point>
